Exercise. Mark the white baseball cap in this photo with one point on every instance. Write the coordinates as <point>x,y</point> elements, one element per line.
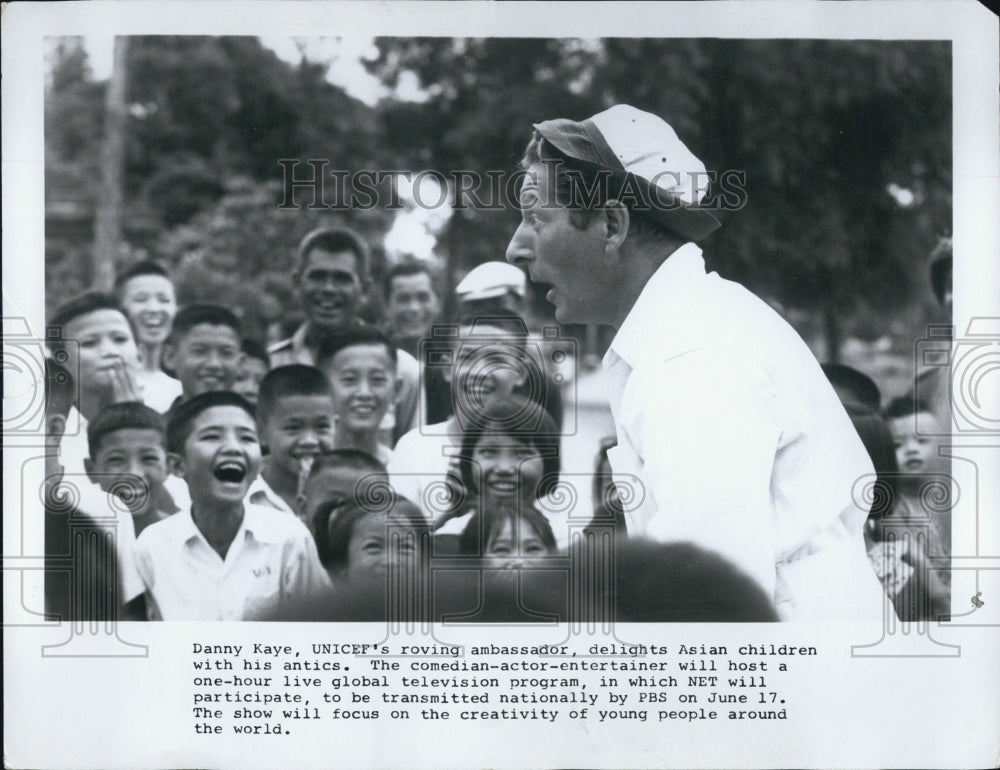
<point>629,142</point>
<point>491,279</point>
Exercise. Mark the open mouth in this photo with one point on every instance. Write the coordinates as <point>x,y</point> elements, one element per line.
<point>230,472</point>
<point>504,487</point>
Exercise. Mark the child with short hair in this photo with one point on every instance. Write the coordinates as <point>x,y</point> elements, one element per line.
<point>128,458</point>
<point>295,424</point>
<point>255,366</point>
<point>203,350</point>
<point>361,366</point>
<point>223,558</point>
<point>93,338</point>
<point>147,295</point>
<point>341,474</point>
<point>920,518</point>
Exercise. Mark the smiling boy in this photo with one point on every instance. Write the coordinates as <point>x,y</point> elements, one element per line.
<point>128,458</point>
<point>361,365</point>
<point>295,419</point>
<point>204,350</point>
<point>222,558</point>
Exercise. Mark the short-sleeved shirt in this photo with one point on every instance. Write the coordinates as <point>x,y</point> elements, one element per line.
<point>271,563</point>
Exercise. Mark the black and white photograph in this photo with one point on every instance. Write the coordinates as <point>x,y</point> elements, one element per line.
<point>397,344</point>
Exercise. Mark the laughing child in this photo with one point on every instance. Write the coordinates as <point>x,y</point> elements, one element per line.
<point>223,558</point>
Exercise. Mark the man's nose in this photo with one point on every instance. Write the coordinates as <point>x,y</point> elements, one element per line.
<point>518,252</point>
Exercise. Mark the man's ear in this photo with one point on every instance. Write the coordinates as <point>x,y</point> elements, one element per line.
<point>616,221</point>
<point>176,464</point>
<point>88,466</point>
<point>397,387</point>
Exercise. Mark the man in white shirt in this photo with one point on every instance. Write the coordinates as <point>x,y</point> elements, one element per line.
<point>721,410</point>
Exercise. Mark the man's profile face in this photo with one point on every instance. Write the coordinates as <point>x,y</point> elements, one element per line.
<point>557,253</point>
<point>412,306</point>
<point>331,288</point>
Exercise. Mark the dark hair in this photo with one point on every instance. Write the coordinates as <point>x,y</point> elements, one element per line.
<point>334,239</point>
<point>81,304</point>
<point>182,418</point>
<point>481,526</point>
<point>877,438</point>
<point>353,459</point>
<point>904,406</point>
<point>253,349</point>
<point>120,416</point>
<point>525,421</point>
<point>405,270</point>
<point>145,267</point>
<point>678,582</point>
<point>575,183</point>
<point>334,523</point>
<point>291,380</point>
<point>60,389</point>
<point>331,344</point>
<point>190,316</point>
<point>859,385</point>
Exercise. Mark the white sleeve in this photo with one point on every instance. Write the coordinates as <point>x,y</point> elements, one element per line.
<point>708,450</point>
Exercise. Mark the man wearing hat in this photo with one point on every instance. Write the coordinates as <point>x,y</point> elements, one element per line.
<point>720,408</point>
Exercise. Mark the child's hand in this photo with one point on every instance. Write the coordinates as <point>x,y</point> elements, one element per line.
<point>887,560</point>
<point>123,383</point>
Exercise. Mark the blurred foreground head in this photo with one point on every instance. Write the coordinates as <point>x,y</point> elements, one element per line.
<point>647,583</point>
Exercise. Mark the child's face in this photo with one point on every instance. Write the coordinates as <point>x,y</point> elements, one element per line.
<point>221,456</point>
<point>297,427</point>
<point>248,377</point>
<point>205,359</point>
<point>335,484</point>
<point>514,539</point>
<point>150,303</point>
<point>916,445</point>
<point>509,470</point>
<point>370,551</point>
<point>104,342</point>
<point>364,385</point>
<point>133,461</point>
<point>485,370</point>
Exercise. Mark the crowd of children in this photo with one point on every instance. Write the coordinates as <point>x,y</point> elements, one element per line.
<point>332,476</point>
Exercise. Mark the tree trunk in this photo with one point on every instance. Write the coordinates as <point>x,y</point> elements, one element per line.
<point>108,217</point>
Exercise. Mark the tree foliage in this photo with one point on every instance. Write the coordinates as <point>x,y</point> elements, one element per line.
<point>822,130</point>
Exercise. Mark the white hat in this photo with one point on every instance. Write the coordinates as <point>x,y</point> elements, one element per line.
<point>628,141</point>
<point>491,279</point>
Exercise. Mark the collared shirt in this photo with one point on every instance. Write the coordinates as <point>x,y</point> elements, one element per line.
<point>402,416</point>
<point>271,562</point>
<point>260,493</point>
<point>740,442</point>
<point>159,390</point>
